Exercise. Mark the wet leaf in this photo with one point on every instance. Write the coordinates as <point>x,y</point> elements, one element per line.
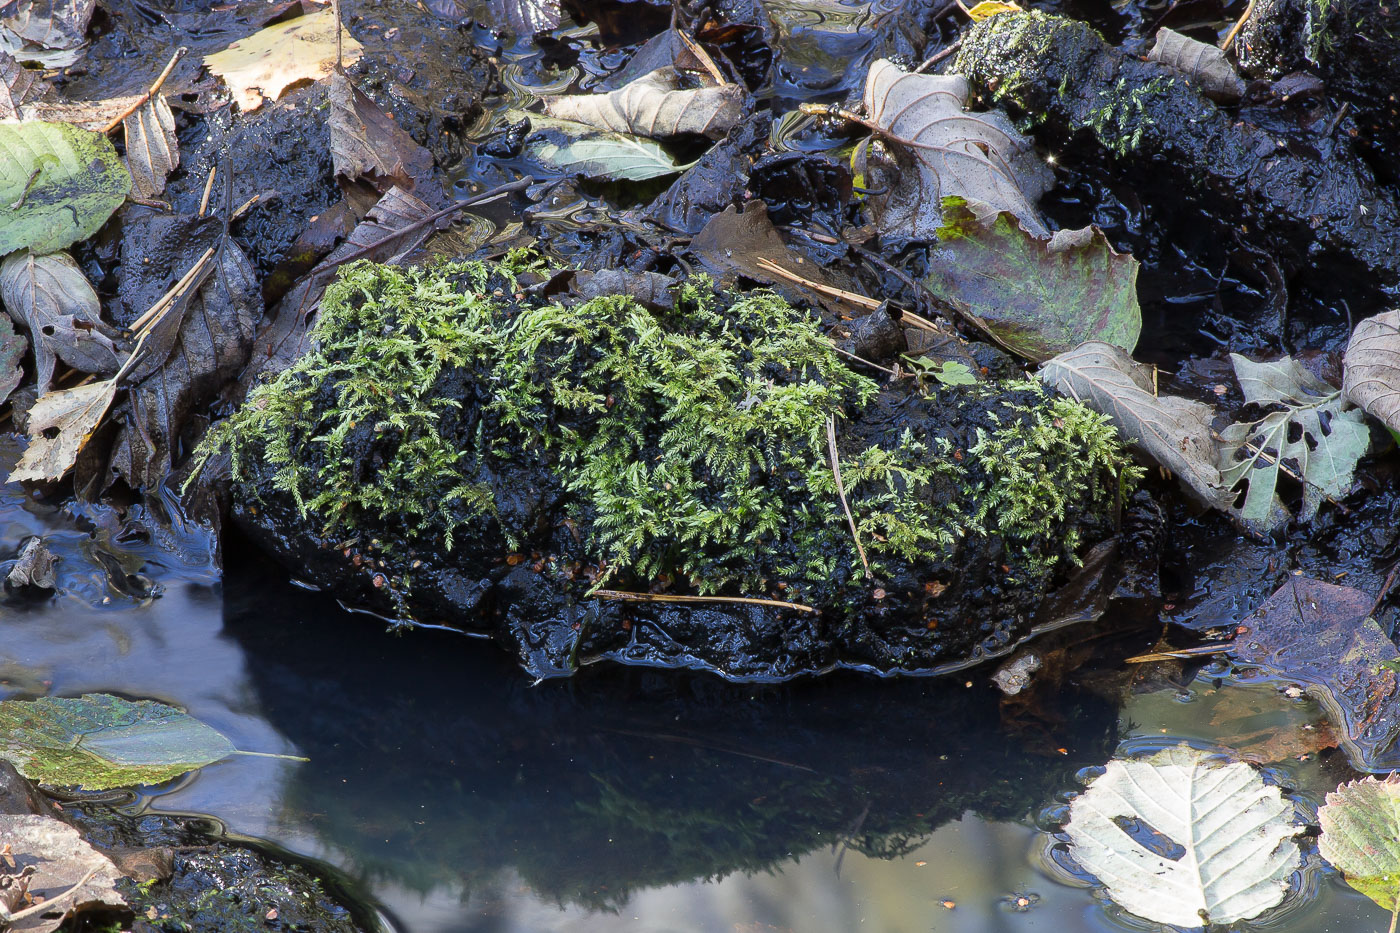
<point>58,185</point>
<point>532,17</point>
<point>20,50</point>
<point>1039,297</point>
<point>1205,65</point>
<point>655,105</point>
<point>1361,837</point>
<point>34,567</point>
<point>52,297</point>
<point>12,347</point>
<point>366,143</point>
<point>60,423</point>
<point>152,151</point>
<point>978,157</point>
<point>266,63</point>
<point>1316,436</point>
<point>989,8</point>
<point>1321,636</point>
<point>593,153</point>
<point>98,741</point>
<point>1173,431</point>
<point>1186,839</point>
<point>50,24</point>
<point>1371,377</point>
<point>70,875</point>
<point>18,86</point>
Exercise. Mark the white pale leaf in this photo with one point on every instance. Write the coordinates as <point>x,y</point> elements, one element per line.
<point>1233,834</point>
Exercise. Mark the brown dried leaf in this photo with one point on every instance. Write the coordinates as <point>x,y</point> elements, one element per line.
<point>1371,378</point>
<point>71,875</point>
<point>266,63</point>
<point>60,424</point>
<point>52,24</point>
<point>656,106</point>
<point>18,86</point>
<point>52,297</point>
<point>1205,65</point>
<point>367,143</point>
<point>152,151</point>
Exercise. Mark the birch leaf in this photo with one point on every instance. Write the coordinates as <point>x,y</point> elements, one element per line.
<point>152,151</point>
<point>58,185</point>
<point>60,424</point>
<point>61,311</point>
<point>1172,430</point>
<point>269,61</point>
<point>1185,839</point>
<point>1361,836</point>
<point>1204,65</point>
<point>1371,377</point>
<point>655,105</point>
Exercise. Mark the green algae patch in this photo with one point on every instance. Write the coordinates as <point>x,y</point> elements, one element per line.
<point>447,407</point>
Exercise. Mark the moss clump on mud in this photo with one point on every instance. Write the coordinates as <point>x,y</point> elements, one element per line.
<point>691,443</point>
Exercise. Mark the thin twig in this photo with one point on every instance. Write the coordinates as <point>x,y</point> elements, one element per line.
<point>1180,653</point>
<point>208,189</point>
<point>667,598</point>
<point>862,360</point>
<point>154,90</point>
<point>860,301</point>
<point>938,57</point>
<point>706,61</point>
<point>1239,24</point>
<point>169,297</point>
<point>1385,588</point>
<point>47,905</point>
<point>841,492</point>
<point>339,56</point>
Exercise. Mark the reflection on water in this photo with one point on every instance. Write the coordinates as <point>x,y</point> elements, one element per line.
<point>461,798</point>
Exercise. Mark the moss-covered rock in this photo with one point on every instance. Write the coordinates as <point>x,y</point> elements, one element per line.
<point>451,428</point>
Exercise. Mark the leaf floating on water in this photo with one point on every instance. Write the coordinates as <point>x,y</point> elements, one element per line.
<point>61,311</point>
<point>655,105</point>
<point>1361,837</point>
<point>266,63</point>
<point>1038,297</point>
<point>576,147</point>
<point>60,424</point>
<point>1205,65</point>
<point>69,873</point>
<point>1221,840</point>
<point>152,150</point>
<point>1371,378</point>
<point>58,185</point>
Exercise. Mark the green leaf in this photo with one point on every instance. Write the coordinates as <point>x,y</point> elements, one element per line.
<point>58,185</point>
<point>97,741</point>
<point>1361,837</point>
<point>577,147</point>
<point>1037,297</point>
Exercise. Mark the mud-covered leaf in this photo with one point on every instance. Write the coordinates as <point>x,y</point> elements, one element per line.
<point>978,157</point>
<point>58,185</point>
<point>1371,378</point>
<point>568,146</point>
<point>1321,637</point>
<point>1361,836</point>
<point>366,143</point>
<point>1172,430</point>
<point>1185,838</point>
<point>1205,65</point>
<point>1316,436</point>
<point>50,24</point>
<point>655,105</point>
<point>12,347</point>
<point>70,875</point>
<point>18,86</point>
<point>266,63</point>
<point>52,297</point>
<point>60,423</point>
<point>98,741</point>
<point>152,151</point>
<point>1039,297</point>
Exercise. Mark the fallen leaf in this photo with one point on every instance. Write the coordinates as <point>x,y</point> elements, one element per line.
<point>18,86</point>
<point>1172,430</point>
<point>85,114</point>
<point>1185,839</point>
<point>12,347</point>
<point>655,105</point>
<point>978,157</point>
<point>34,567</point>
<point>152,151</point>
<point>266,63</point>
<point>58,185</point>
<point>531,17</point>
<point>1371,377</point>
<point>60,423</point>
<point>20,50</point>
<point>52,297</point>
<point>1361,837</point>
<point>568,146</point>
<point>50,24</point>
<point>1038,297</point>
<point>989,8</point>
<point>70,875</point>
<point>366,143</point>
<point>1321,637</point>
<point>1330,438</point>
<point>1204,65</point>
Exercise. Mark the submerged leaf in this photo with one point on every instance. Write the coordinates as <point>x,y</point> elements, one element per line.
<point>655,105</point>
<point>58,185</point>
<point>269,61</point>
<point>593,153</point>
<point>61,311</point>
<point>69,873</point>
<point>152,150</point>
<point>1371,377</point>
<point>97,741</point>
<point>1361,836</point>
<point>1039,297</point>
<point>1219,840</point>
<point>60,424</point>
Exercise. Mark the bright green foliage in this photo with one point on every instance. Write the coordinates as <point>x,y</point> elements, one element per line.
<point>691,442</point>
<point>58,185</point>
<point>1123,118</point>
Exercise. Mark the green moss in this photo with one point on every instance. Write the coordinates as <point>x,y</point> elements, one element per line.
<point>1122,119</point>
<point>691,443</point>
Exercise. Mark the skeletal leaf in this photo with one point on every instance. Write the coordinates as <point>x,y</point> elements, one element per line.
<point>1371,378</point>
<point>1039,297</point>
<point>1361,836</point>
<point>69,873</point>
<point>58,185</point>
<point>60,423</point>
<point>61,311</point>
<point>50,24</point>
<point>1227,836</point>
<point>569,146</point>
<point>1330,438</point>
<point>18,86</point>
<point>1205,65</point>
<point>365,142</point>
<point>264,64</point>
<point>947,152</point>
<point>152,151</point>
<point>655,105</point>
<point>1172,430</point>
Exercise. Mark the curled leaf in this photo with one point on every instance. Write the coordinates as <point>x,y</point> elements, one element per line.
<point>61,311</point>
<point>18,86</point>
<point>655,105</point>
<point>60,423</point>
<point>1204,65</point>
<point>1371,378</point>
<point>152,151</point>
